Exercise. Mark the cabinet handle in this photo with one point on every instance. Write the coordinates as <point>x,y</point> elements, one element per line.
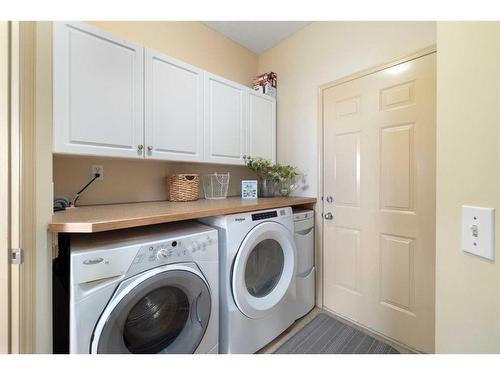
<point>150,148</point>
<point>140,147</point>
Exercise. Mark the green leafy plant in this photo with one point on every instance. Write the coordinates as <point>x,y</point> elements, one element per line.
<point>274,174</point>
<point>281,173</point>
<point>262,167</point>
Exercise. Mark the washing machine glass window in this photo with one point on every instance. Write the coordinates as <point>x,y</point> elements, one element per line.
<point>263,269</point>
<point>165,310</point>
<point>156,320</point>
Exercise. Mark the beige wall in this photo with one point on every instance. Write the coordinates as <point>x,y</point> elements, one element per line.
<point>129,180</point>
<point>44,188</point>
<point>323,52</point>
<point>191,42</point>
<point>468,172</point>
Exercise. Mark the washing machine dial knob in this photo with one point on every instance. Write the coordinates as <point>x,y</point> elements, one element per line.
<point>162,254</point>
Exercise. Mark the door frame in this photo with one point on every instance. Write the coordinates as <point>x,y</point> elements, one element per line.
<point>18,190</point>
<point>320,205</point>
<point>5,59</point>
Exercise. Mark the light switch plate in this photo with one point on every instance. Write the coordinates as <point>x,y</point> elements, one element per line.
<point>478,231</point>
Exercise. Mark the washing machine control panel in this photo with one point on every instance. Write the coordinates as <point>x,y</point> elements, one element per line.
<point>173,251</point>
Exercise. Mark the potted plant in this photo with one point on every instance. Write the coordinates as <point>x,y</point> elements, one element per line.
<point>285,175</point>
<point>262,168</point>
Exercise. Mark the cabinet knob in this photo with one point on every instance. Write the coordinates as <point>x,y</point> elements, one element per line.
<point>150,148</point>
<point>140,147</point>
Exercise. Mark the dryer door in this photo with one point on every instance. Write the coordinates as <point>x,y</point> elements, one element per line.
<point>263,269</point>
<point>165,310</point>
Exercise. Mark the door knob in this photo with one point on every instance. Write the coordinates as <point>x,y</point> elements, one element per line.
<point>140,147</point>
<point>328,216</point>
<point>329,199</point>
<point>150,148</point>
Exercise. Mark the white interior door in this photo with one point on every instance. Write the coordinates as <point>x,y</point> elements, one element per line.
<point>173,109</point>
<point>98,92</point>
<point>225,121</point>
<point>379,169</point>
<point>262,126</point>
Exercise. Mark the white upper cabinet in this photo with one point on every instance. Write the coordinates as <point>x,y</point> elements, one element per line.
<point>225,120</point>
<point>98,92</point>
<point>173,128</point>
<point>261,126</point>
<point>115,98</point>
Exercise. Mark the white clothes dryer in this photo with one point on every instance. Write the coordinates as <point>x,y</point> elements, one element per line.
<point>145,290</point>
<point>257,278</point>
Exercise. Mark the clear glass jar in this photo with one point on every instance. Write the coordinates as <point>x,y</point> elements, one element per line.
<point>286,187</point>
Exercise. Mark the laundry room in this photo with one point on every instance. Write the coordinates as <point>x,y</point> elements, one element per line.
<point>263,185</point>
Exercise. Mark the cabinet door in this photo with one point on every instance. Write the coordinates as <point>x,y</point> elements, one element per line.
<point>98,92</point>
<point>174,109</point>
<point>225,120</point>
<point>261,126</point>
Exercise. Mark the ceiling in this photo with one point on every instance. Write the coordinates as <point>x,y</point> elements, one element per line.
<point>257,36</point>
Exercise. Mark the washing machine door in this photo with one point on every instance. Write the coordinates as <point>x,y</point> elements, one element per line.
<point>263,269</point>
<point>164,310</point>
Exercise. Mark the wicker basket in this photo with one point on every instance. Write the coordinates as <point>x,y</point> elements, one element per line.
<point>183,187</point>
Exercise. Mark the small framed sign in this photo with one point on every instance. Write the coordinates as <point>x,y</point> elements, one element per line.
<point>249,189</point>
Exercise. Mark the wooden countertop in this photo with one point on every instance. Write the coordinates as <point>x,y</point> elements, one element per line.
<point>89,219</point>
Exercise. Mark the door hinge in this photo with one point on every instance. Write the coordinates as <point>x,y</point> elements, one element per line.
<point>16,256</point>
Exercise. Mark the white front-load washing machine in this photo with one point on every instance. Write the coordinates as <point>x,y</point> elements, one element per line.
<point>257,256</point>
<point>145,290</point>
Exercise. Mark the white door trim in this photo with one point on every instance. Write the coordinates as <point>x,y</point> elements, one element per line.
<point>320,205</point>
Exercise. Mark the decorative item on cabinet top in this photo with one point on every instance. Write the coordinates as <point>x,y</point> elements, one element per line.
<point>183,187</point>
<point>266,83</point>
<point>156,107</point>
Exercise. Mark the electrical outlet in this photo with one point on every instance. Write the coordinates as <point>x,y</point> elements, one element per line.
<point>97,169</point>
